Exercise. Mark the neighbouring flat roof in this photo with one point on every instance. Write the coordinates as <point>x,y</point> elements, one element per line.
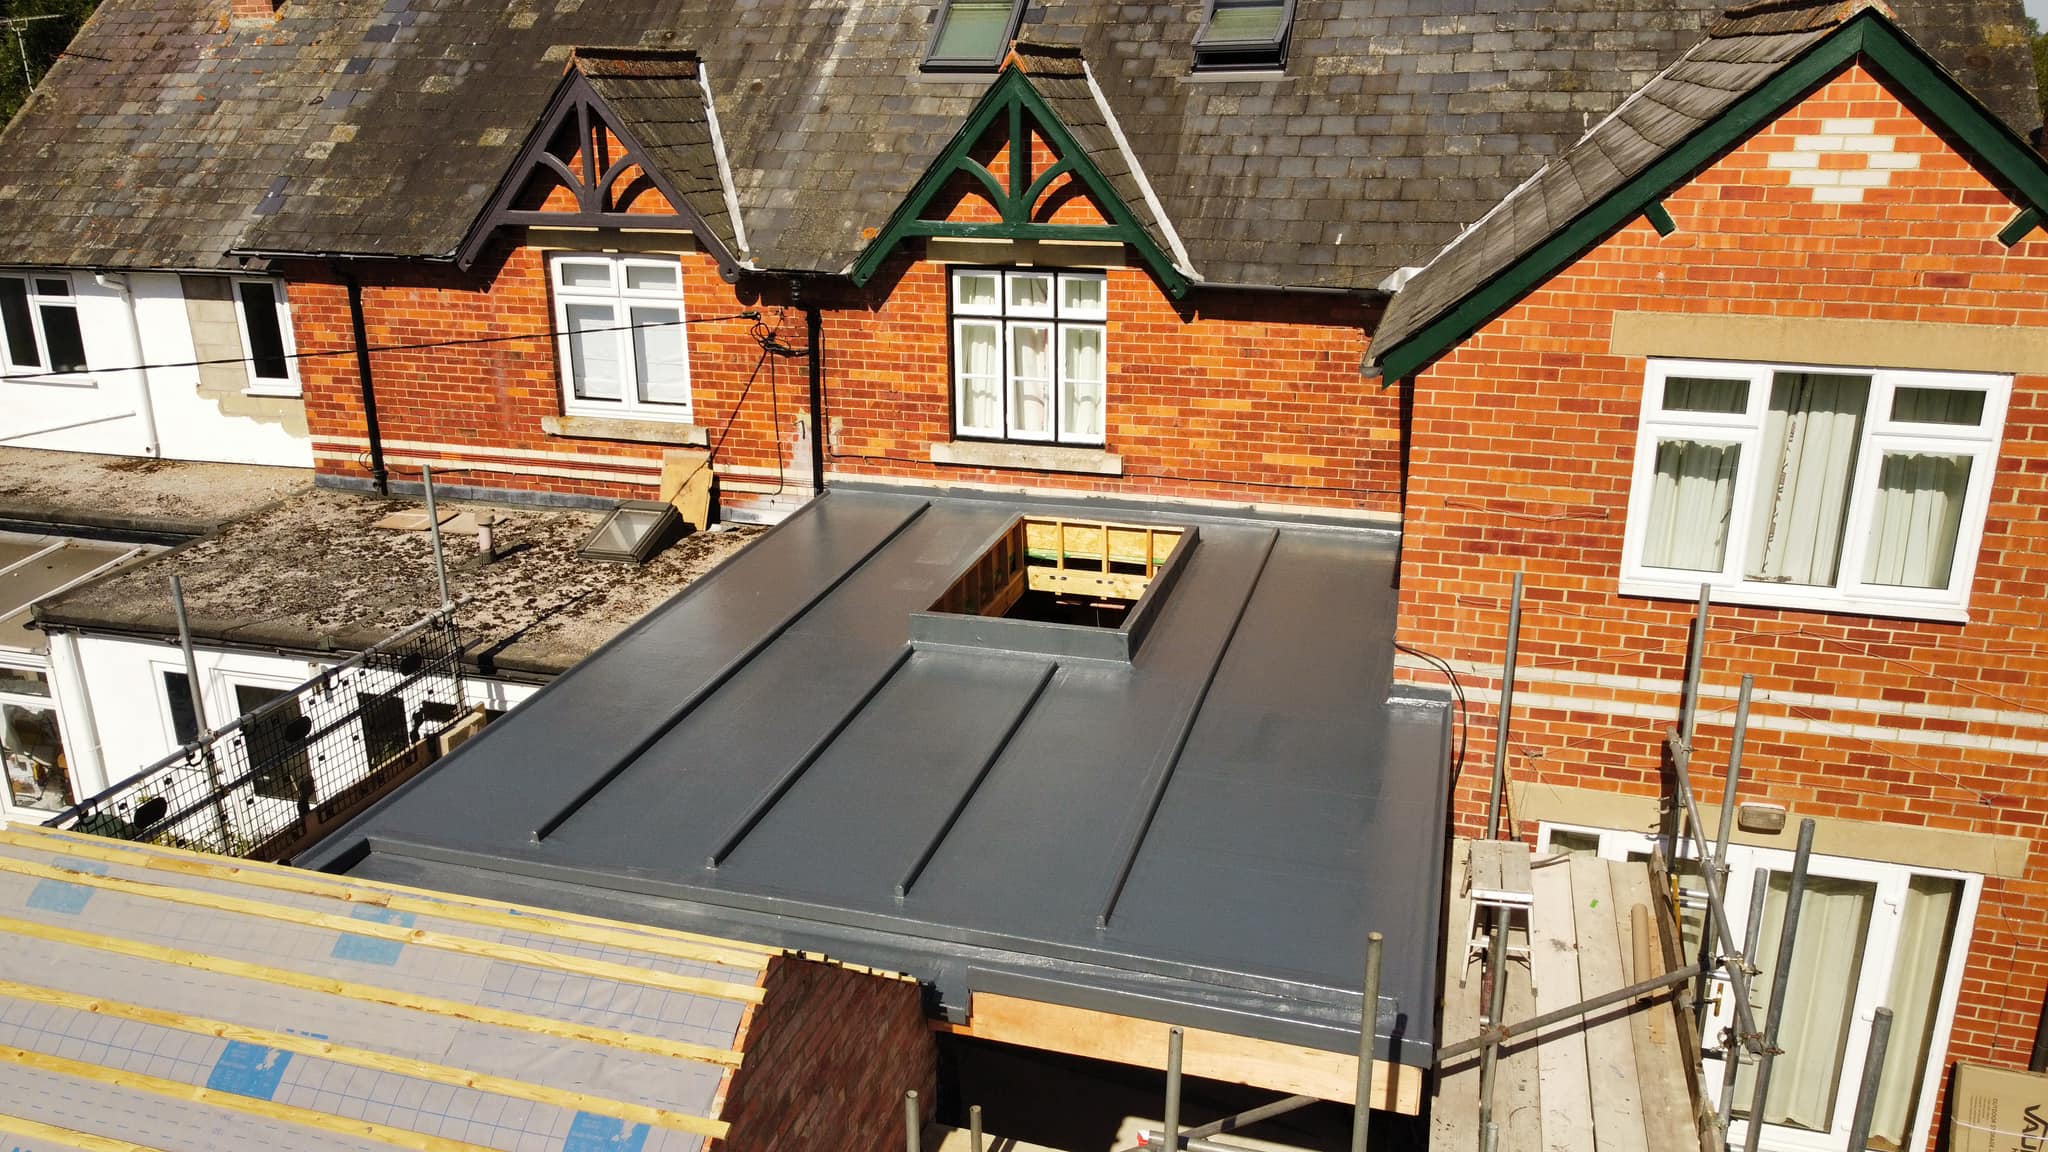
<point>136,495</point>
<point>313,573</point>
<point>180,1001</point>
<point>778,712</point>
<point>35,565</point>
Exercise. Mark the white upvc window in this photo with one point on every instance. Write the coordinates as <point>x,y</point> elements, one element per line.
<point>265,320</point>
<point>1870,935</point>
<point>1830,489</point>
<point>39,326</point>
<point>1030,355</point>
<point>32,745</point>
<point>623,346</point>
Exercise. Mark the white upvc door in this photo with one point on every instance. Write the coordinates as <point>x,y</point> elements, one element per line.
<point>1853,931</point>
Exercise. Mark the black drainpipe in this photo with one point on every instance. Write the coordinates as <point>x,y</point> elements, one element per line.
<point>378,474</point>
<point>814,340</point>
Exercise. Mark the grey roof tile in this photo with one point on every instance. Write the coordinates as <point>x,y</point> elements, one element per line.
<point>828,120</point>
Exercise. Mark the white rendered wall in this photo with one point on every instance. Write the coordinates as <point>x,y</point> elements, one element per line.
<point>124,682</point>
<point>128,320</point>
<point>190,426</point>
<point>104,410</point>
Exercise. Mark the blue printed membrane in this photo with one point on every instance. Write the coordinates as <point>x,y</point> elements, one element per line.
<point>249,1070</point>
<point>62,896</point>
<point>594,1133</point>
<point>369,949</point>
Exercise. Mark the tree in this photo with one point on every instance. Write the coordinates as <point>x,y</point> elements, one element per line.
<point>2038,41</point>
<point>29,44</point>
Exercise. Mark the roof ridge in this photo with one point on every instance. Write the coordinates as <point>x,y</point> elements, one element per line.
<point>633,60</point>
<point>1765,17</point>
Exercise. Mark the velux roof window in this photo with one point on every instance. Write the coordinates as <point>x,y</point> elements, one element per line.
<point>973,35</point>
<point>1244,35</point>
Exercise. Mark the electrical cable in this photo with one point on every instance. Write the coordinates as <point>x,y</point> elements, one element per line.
<point>423,345</point>
<point>1458,692</point>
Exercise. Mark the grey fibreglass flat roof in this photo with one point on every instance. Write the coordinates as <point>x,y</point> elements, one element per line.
<point>776,710</point>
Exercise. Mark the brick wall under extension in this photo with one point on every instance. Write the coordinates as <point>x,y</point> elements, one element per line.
<point>825,1060</point>
<point>1523,444</point>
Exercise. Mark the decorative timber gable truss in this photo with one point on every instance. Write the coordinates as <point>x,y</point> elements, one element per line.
<point>1015,103</point>
<point>628,141</point>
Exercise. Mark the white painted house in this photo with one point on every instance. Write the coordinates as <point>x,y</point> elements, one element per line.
<point>153,364</point>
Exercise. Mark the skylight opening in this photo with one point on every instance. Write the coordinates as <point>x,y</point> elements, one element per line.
<point>1080,573</point>
<point>1244,35</point>
<point>973,35</point>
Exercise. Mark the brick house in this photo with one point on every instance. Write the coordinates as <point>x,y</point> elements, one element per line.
<point>556,253</point>
<point>1770,328</point>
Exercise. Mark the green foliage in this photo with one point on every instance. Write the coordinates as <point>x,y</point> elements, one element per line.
<point>40,41</point>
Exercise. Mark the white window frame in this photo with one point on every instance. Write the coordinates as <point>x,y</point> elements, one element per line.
<point>1874,981</point>
<point>1055,318</point>
<point>289,385</point>
<point>621,299</point>
<point>1849,593</point>
<point>39,373</point>
<point>8,808</point>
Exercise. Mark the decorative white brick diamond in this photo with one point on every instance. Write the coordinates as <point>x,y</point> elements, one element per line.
<point>1845,137</point>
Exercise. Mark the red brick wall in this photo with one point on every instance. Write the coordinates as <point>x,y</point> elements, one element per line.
<point>827,1057</point>
<point>1523,441</point>
<point>1225,396</point>
<point>474,411</point>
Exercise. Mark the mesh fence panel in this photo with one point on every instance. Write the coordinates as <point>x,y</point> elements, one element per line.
<point>294,766</point>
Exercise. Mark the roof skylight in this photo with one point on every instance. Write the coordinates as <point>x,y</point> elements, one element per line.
<point>1244,35</point>
<point>973,35</point>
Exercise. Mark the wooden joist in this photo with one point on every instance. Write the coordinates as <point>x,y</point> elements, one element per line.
<point>1285,1068</point>
<point>41,838</point>
<point>371,994</point>
<point>396,933</point>
<point>69,1137</point>
<point>363,1058</point>
<point>314,884</point>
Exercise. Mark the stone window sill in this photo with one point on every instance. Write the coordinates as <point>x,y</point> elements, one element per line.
<point>1028,457</point>
<point>636,431</point>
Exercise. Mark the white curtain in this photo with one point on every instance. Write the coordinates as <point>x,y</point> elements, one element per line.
<point>1030,379</point>
<point>594,351</point>
<point>1706,394</point>
<point>1819,992</point>
<point>658,355</point>
<point>1918,515</point>
<point>1926,932</point>
<point>1811,434</point>
<point>1083,370</point>
<point>1691,498</point>
<point>978,369</point>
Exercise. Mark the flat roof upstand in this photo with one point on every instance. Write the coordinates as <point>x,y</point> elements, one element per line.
<point>945,627</point>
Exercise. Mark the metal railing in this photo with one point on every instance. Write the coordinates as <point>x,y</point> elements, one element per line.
<point>273,780</point>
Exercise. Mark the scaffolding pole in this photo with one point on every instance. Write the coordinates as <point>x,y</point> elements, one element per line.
<point>1368,1029</point>
<point>1873,1072</point>
<point>1788,938</point>
<point>1507,707</point>
<point>1731,1064</point>
<point>1719,861</point>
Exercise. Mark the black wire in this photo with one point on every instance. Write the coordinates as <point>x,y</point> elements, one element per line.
<point>468,342</point>
<point>1457,691</point>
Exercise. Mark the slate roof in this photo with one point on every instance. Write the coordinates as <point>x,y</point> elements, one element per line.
<point>1742,51</point>
<point>657,96</point>
<point>962,810</point>
<point>172,134</point>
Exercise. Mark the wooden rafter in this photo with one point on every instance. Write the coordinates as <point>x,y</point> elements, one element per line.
<point>1012,101</point>
<point>578,106</point>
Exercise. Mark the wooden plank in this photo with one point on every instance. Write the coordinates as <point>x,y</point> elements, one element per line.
<point>397,933</point>
<point>1082,582</point>
<point>236,1102</point>
<point>1517,1099</point>
<point>1554,963</point>
<point>69,1137</point>
<point>370,994</point>
<point>686,483</point>
<point>1667,1104</point>
<point>1217,1055</point>
<point>1454,1115</point>
<point>39,837</point>
<point>1610,1049</point>
<point>362,1058</point>
<point>1485,875</point>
